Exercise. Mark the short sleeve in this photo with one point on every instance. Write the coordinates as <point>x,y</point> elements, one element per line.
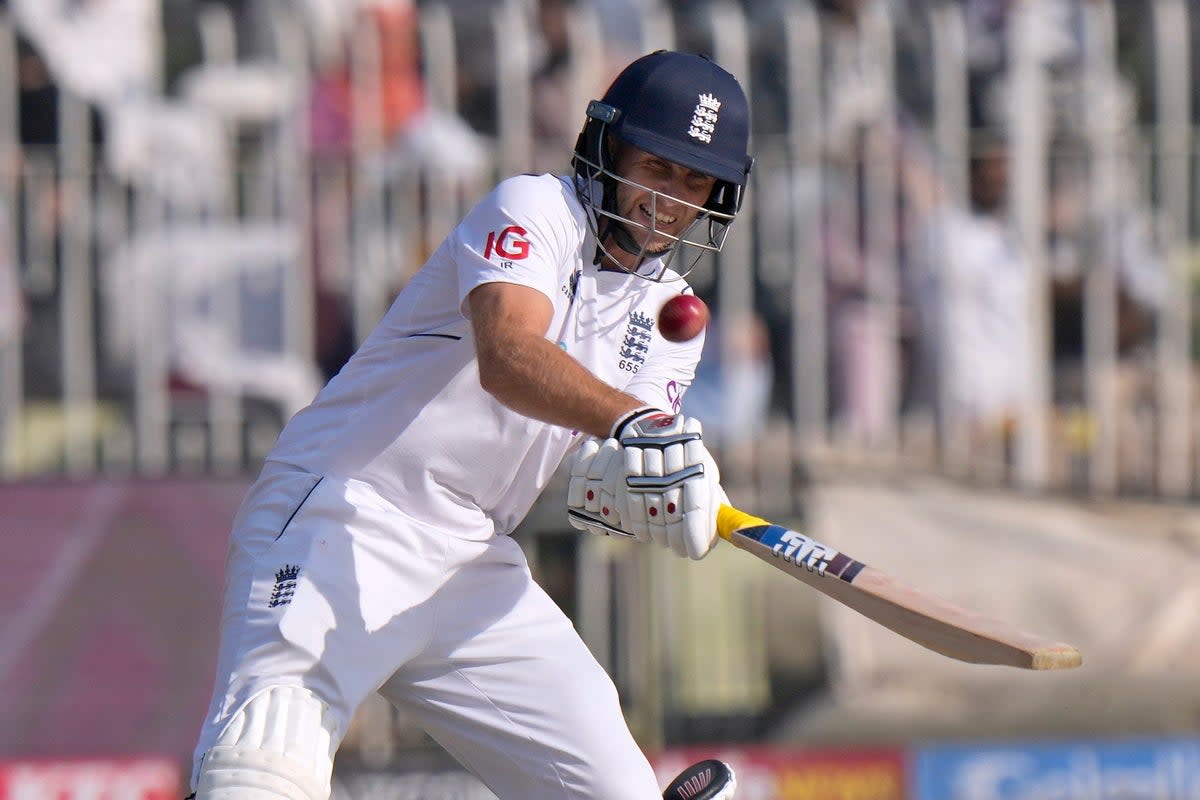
<point>524,232</point>
<point>664,379</point>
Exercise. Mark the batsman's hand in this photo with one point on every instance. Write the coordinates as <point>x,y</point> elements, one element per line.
<point>670,490</point>
<point>592,489</point>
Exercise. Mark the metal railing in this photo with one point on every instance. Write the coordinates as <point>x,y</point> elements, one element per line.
<point>359,222</point>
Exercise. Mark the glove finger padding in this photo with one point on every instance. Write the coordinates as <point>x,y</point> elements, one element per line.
<point>678,536</point>
<point>602,477</point>
<point>592,487</point>
<point>702,498</point>
<point>642,505</point>
<point>577,483</point>
<point>660,513</point>
<point>672,490</point>
<point>683,518</point>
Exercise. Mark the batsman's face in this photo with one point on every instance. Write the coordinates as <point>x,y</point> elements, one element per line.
<point>654,202</point>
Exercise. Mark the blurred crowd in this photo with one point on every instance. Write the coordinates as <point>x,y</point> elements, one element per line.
<point>181,121</point>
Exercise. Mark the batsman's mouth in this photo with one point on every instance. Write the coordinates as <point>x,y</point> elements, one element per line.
<point>657,217</point>
<point>654,231</point>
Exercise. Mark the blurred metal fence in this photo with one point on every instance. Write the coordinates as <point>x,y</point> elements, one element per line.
<point>864,131</point>
<point>179,273</point>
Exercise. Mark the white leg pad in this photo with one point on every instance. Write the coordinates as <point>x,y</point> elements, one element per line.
<point>279,746</point>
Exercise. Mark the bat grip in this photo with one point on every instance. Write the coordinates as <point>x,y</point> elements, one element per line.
<point>729,519</point>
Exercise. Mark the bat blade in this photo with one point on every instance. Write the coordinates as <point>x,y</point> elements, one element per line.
<point>923,618</point>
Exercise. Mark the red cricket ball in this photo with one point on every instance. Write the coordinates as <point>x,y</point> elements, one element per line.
<point>682,317</point>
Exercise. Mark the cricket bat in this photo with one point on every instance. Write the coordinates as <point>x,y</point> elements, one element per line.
<point>919,616</point>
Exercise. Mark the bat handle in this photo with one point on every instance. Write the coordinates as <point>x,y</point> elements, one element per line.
<point>729,520</point>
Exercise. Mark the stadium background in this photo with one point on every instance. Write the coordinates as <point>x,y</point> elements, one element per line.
<point>954,334</point>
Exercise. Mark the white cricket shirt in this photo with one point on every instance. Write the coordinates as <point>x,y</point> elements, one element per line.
<point>407,414</point>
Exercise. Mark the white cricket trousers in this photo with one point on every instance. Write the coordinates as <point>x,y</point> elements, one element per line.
<point>330,587</point>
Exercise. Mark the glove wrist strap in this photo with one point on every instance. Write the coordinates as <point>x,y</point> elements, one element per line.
<point>638,413</point>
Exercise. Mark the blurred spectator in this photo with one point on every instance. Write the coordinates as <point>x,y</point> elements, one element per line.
<point>859,224</point>
<point>1057,35</point>
<point>398,133</point>
<point>970,280</point>
<point>731,396</point>
<point>103,52</point>
<point>107,55</point>
<point>385,114</point>
<point>987,56</point>
<point>401,94</point>
<point>1138,54</point>
<point>475,60</point>
<point>554,128</point>
<point>38,216</point>
<point>971,277</point>
<point>617,35</point>
<point>856,93</point>
<point>37,98</point>
<point>220,308</point>
<point>555,119</point>
<point>1082,237</point>
<point>830,200</point>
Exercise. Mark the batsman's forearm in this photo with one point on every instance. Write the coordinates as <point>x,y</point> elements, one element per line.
<point>534,377</point>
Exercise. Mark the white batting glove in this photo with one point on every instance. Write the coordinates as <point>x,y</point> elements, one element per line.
<point>592,493</point>
<point>671,490</point>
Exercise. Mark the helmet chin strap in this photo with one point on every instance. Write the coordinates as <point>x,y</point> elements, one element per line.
<point>614,230</point>
<point>621,236</point>
<point>615,233</point>
<point>618,233</point>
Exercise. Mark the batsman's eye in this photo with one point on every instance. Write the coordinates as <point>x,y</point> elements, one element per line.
<point>698,183</point>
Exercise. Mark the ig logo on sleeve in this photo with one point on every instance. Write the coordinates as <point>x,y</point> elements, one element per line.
<point>509,244</point>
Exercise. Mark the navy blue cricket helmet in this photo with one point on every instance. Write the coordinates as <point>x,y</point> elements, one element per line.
<point>681,107</point>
